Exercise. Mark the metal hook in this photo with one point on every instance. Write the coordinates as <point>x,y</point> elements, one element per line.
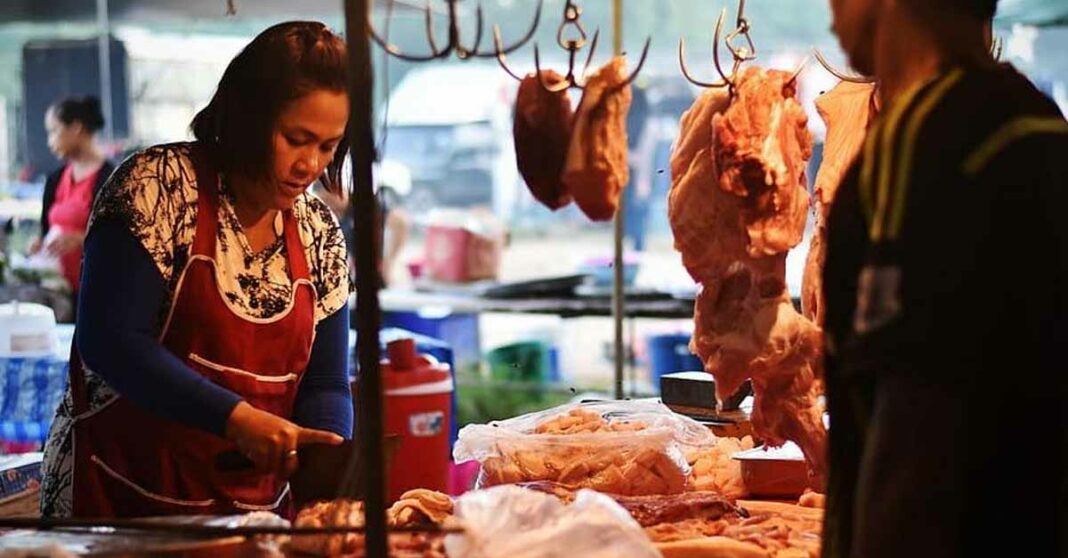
<point>500,54</point>
<point>455,43</point>
<point>465,53</point>
<point>641,63</point>
<point>568,81</point>
<point>715,56</point>
<point>522,41</point>
<point>571,18</point>
<point>838,73</point>
<point>395,51</point>
<point>797,72</point>
<point>573,79</point>
<point>741,28</point>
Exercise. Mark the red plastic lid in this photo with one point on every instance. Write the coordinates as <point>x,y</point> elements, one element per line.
<point>405,367</point>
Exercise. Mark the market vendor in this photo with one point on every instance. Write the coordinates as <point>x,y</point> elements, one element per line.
<point>945,278</point>
<point>213,317</point>
<point>72,125</point>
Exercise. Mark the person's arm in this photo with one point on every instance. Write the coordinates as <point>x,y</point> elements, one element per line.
<point>122,292</point>
<point>118,310</point>
<point>397,227</point>
<point>48,198</point>
<point>324,401</point>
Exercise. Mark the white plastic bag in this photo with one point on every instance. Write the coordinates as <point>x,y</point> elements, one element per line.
<point>620,447</point>
<point>513,522</point>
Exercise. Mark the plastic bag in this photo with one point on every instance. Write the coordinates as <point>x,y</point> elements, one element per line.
<point>621,447</point>
<point>513,522</point>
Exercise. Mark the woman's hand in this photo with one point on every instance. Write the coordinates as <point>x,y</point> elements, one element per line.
<point>58,244</point>
<point>271,441</point>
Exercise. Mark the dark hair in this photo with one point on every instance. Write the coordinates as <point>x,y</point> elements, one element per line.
<point>979,9</point>
<point>85,110</point>
<point>283,63</point>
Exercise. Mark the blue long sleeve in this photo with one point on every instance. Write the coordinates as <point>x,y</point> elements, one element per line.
<point>324,400</point>
<point>117,336</point>
<point>117,333</point>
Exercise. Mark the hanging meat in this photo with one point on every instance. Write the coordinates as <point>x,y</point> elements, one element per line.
<point>738,203</point>
<point>596,168</point>
<point>847,110</point>
<point>542,133</point>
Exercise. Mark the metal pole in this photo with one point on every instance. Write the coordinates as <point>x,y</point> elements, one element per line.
<point>617,267</point>
<point>103,48</point>
<point>368,313</point>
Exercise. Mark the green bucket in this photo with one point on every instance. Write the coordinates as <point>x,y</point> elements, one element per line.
<point>526,362</point>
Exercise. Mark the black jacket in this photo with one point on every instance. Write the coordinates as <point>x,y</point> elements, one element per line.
<point>52,183</point>
<point>947,258</point>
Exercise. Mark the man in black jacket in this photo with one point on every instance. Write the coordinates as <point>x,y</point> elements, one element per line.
<point>945,280</point>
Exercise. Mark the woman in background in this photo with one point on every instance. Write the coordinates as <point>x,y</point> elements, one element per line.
<point>72,124</point>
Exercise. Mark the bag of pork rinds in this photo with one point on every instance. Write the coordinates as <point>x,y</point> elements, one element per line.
<point>630,448</point>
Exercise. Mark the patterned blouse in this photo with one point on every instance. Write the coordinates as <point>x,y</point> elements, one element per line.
<point>154,193</point>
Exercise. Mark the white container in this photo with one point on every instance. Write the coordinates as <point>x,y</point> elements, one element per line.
<point>27,330</point>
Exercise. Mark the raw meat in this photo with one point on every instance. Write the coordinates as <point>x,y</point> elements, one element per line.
<point>738,203</point>
<point>415,508</point>
<point>542,133</point>
<point>596,168</point>
<point>659,508</point>
<point>654,510</point>
<point>847,110</point>
<point>762,145</point>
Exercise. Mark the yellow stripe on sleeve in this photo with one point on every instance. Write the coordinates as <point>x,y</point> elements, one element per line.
<point>1010,132</point>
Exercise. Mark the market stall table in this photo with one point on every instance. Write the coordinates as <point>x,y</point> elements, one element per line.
<point>637,306</point>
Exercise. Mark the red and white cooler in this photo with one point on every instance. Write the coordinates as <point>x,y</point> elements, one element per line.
<point>418,406</point>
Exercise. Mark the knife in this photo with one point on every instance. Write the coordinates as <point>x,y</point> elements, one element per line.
<point>320,470</point>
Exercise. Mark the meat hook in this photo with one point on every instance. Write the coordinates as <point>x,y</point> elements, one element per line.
<point>573,79</point>
<point>839,73</point>
<point>455,43</point>
<point>740,54</point>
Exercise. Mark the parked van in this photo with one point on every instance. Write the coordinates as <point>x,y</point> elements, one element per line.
<point>451,126</point>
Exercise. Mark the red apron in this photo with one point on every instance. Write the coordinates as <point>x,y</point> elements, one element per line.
<point>130,462</point>
<point>70,212</point>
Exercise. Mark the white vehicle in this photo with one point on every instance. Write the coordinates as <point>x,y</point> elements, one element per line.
<point>451,126</point>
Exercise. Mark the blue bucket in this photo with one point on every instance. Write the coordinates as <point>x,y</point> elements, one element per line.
<point>670,353</point>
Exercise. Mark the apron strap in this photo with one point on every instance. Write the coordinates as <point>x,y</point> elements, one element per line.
<point>207,204</point>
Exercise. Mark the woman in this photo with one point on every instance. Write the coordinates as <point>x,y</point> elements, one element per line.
<point>72,125</point>
<point>213,316</point>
